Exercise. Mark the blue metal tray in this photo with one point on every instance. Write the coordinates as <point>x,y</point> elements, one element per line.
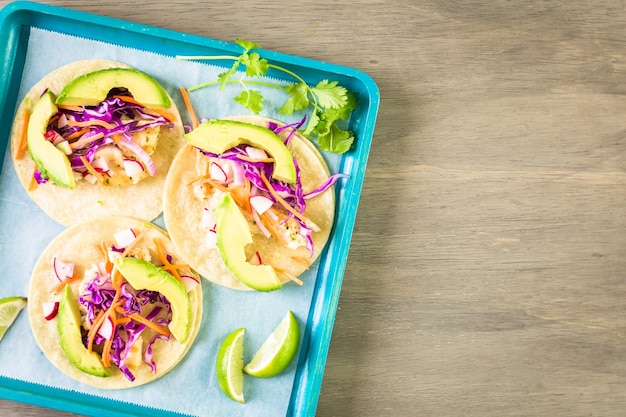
<point>17,21</point>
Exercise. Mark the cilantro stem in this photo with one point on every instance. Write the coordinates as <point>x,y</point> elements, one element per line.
<point>210,83</point>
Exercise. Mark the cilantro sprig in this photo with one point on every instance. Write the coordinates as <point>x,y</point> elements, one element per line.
<point>330,102</point>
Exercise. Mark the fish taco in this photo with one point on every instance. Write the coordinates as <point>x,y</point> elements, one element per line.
<point>92,136</point>
<point>112,304</point>
<point>281,186</point>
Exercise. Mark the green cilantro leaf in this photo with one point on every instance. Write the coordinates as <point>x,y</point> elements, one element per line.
<point>329,94</point>
<point>247,45</point>
<point>251,100</point>
<point>336,140</point>
<point>298,99</point>
<point>328,101</point>
<point>255,65</point>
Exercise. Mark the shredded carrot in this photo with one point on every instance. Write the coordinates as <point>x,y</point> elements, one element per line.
<point>90,168</point>
<point>241,195</point>
<point>89,123</point>
<point>271,225</point>
<point>288,275</point>
<point>77,134</point>
<point>249,159</point>
<point>97,322</point>
<point>33,182</point>
<point>159,112</point>
<point>23,142</point>
<point>106,352</point>
<point>300,259</point>
<point>140,319</point>
<point>85,141</point>
<point>166,263</point>
<point>281,200</point>
<point>190,110</point>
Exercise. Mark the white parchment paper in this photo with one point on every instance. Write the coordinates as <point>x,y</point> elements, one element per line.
<point>191,388</point>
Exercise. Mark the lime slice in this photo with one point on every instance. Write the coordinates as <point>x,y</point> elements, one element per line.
<point>229,365</point>
<point>10,307</point>
<point>278,350</point>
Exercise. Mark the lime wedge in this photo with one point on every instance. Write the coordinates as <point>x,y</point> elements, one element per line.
<point>277,351</point>
<point>10,308</point>
<point>229,365</point>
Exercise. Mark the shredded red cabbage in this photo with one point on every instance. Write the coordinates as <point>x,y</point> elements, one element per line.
<point>293,194</point>
<point>99,295</point>
<point>126,119</point>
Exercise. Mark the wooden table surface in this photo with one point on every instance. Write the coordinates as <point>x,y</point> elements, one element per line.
<point>487,272</point>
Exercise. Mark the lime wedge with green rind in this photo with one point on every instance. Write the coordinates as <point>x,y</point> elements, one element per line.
<point>229,365</point>
<point>277,351</point>
<point>10,308</point>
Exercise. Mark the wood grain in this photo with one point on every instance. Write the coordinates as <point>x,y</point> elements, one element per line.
<point>487,270</point>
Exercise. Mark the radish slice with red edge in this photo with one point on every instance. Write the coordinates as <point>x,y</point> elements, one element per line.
<point>50,309</point>
<point>107,328</point>
<point>132,167</point>
<point>189,282</point>
<point>256,259</point>
<point>217,173</point>
<point>62,270</point>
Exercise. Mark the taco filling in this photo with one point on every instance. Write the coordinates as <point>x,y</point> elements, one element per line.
<point>93,135</point>
<point>288,210</point>
<point>127,312</point>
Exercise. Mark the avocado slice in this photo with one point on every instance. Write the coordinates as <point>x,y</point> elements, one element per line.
<point>142,275</point>
<point>50,160</point>
<point>233,234</point>
<point>68,326</point>
<point>92,88</point>
<point>217,136</point>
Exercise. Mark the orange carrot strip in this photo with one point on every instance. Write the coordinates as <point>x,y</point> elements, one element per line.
<point>159,112</point>
<point>33,182</point>
<point>85,141</point>
<point>94,122</point>
<point>163,257</point>
<point>97,322</point>
<point>288,275</point>
<point>272,227</point>
<point>23,142</point>
<point>281,200</point>
<point>190,110</point>
<point>249,159</point>
<point>159,329</point>
<point>77,134</point>
<point>106,352</point>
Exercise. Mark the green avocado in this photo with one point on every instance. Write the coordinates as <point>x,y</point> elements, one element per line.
<point>68,326</point>
<point>50,160</point>
<point>217,136</point>
<point>142,275</point>
<point>92,88</point>
<point>233,234</point>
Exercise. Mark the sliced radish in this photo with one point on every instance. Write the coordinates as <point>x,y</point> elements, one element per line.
<point>217,173</point>
<point>208,219</point>
<point>211,239</point>
<point>132,167</point>
<point>261,203</point>
<point>256,259</point>
<point>141,154</point>
<point>62,270</point>
<point>107,328</point>
<point>124,237</point>
<point>50,310</point>
<point>256,153</point>
<point>100,164</point>
<point>91,178</point>
<point>189,282</point>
